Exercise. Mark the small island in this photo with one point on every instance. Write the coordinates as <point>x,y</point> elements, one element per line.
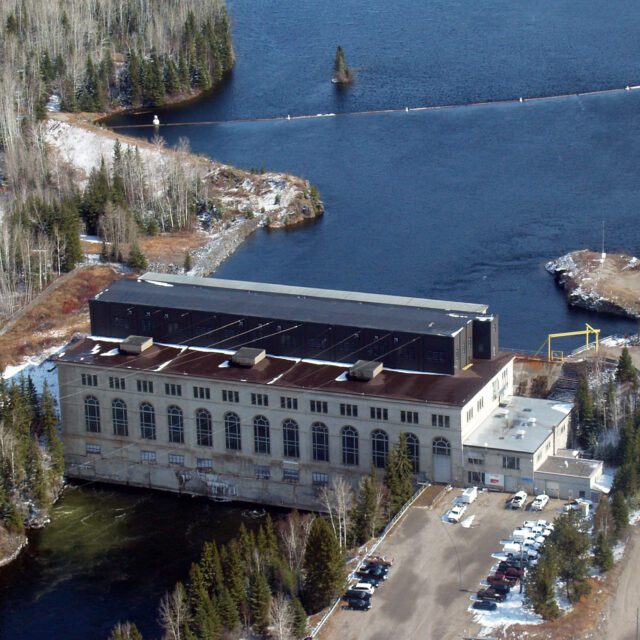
<point>341,73</point>
<point>605,282</point>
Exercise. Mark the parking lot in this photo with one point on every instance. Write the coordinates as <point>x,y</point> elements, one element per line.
<point>437,569</point>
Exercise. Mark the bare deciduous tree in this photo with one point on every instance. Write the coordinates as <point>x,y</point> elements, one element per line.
<point>338,500</point>
<point>174,613</point>
<point>281,617</point>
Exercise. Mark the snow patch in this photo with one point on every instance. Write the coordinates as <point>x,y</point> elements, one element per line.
<point>159,284</point>
<point>565,408</point>
<point>467,522</point>
<point>111,352</point>
<point>343,377</point>
<point>511,611</point>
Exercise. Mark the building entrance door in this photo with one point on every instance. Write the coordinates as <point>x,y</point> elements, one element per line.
<point>441,450</point>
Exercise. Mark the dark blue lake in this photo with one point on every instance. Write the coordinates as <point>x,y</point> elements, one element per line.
<point>465,203</point>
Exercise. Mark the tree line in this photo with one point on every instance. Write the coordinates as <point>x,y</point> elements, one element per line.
<point>268,581</point>
<point>95,55</point>
<point>31,456</point>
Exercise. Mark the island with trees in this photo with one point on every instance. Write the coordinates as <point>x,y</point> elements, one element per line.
<point>342,74</point>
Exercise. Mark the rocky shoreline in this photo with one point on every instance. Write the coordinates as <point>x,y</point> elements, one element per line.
<point>607,283</point>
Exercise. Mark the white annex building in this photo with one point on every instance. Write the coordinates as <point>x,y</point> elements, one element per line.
<point>266,393</point>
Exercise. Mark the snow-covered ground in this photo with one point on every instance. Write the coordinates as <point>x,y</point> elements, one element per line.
<point>511,611</point>
<point>40,369</point>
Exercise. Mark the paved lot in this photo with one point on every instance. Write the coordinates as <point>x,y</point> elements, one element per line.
<point>437,569</point>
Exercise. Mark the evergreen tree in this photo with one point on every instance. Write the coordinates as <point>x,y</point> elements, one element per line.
<point>137,259</point>
<point>228,611</point>
<point>95,197</point>
<point>259,601</point>
<point>212,569</point>
<point>154,93</point>
<point>299,619</point>
<point>366,518</point>
<point>628,446</point>
<point>585,413</point>
<point>188,262</point>
<point>50,433</point>
<point>324,566</point>
<point>626,480</point>
<point>46,68</point>
<point>625,371</point>
<point>620,514</point>
<point>541,585</point>
<point>92,94</point>
<point>233,572</point>
<point>184,75</point>
<point>206,618</point>
<point>171,78</point>
<point>104,254</point>
<point>399,475</point>
<point>602,554</point>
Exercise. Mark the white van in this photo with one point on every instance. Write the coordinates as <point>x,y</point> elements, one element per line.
<point>520,535</point>
<point>512,548</point>
<point>469,495</point>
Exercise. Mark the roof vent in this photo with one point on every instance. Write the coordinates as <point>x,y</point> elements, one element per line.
<point>135,344</point>
<point>520,434</point>
<point>248,357</point>
<point>365,370</point>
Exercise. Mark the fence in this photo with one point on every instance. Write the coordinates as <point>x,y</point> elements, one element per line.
<point>368,552</point>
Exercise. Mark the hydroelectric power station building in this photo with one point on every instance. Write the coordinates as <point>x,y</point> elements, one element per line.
<point>267,393</point>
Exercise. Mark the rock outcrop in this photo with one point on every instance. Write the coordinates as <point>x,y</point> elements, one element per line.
<point>608,283</point>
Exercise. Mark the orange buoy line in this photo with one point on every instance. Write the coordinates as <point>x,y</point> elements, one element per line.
<point>156,124</point>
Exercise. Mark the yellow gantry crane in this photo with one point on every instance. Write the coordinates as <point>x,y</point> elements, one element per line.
<point>587,332</point>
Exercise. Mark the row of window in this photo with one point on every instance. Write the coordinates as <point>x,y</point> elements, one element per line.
<point>262,400</point>
<point>261,434</point>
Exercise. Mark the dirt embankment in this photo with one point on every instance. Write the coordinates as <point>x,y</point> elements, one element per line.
<point>609,283</point>
<point>245,200</point>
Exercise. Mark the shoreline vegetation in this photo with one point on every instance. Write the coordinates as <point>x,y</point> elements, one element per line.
<point>342,74</point>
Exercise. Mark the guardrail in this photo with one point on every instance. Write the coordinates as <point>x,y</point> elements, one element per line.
<point>368,552</point>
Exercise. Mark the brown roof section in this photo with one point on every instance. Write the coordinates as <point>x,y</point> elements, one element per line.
<point>283,372</point>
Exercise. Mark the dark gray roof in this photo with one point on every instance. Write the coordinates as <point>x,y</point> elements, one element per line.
<point>570,467</point>
<point>286,306</point>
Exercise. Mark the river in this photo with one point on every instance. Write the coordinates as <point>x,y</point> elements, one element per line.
<point>465,203</point>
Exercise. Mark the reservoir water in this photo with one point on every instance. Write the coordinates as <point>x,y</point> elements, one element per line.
<point>465,203</point>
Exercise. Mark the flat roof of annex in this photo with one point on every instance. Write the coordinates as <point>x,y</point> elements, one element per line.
<point>295,304</point>
<point>286,373</point>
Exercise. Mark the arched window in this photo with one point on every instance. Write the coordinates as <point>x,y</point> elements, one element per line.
<point>92,414</point>
<point>261,437</point>
<point>204,428</point>
<point>379,448</point>
<point>147,421</point>
<point>120,418</point>
<point>290,439</point>
<point>441,447</point>
<point>320,442</point>
<point>232,431</point>
<point>413,450</point>
<point>176,424</point>
<point>350,453</point>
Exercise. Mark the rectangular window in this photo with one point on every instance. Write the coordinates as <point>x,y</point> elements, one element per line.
<point>262,472</point>
<point>349,410</point>
<point>320,479</point>
<point>144,386</point>
<point>480,404</point>
<point>438,420</point>
<point>204,464</point>
<point>92,448</point>
<point>495,386</point>
<point>290,475</point>
<point>475,477</point>
<point>176,458</point>
<point>201,393</point>
<point>89,379</point>
<point>475,461</point>
<point>116,383</point>
<point>511,462</point>
<point>172,389</point>
<point>260,399</point>
<point>318,406</point>
<point>410,417</point>
<point>288,403</point>
<point>470,414</point>
<point>148,457</point>
<point>230,396</point>
<point>378,413</point>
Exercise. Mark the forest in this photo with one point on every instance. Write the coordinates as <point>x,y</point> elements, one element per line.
<point>92,55</point>
<point>31,456</point>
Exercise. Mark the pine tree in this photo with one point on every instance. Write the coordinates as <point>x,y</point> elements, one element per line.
<point>541,585</point>
<point>626,480</point>
<point>154,93</point>
<point>620,514</point>
<point>602,554</point>
<point>625,371</point>
<point>137,259</point>
<point>299,619</point>
<point>324,566</point>
<point>206,618</point>
<point>228,611</point>
<point>233,572</point>
<point>171,77</point>
<point>571,545</point>
<point>399,475</point>
<point>49,430</point>
<point>366,517</point>
<point>628,446</point>
<point>259,601</point>
<point>212,569</point>
<point>104,253</point>
<point>585,411</point>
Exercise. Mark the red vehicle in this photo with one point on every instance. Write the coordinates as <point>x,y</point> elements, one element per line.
<point>383,560</point>
<point>501,580</point>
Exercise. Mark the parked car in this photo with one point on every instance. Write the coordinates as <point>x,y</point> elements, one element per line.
<point>375,573</point>
<point>456,513</point>
<point>376,570</point>
<point>491,594</point>
<point>485,605</point>
<point>367,579</point>
<point>501,588</point>
<point>363,586</point>
<point>381,560</point>
<point>539,502</point>
<point>518,500</point>
<point>501,578</point>
<point>359,603</point>
<point>510,571</point>
<point>353,593</point>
